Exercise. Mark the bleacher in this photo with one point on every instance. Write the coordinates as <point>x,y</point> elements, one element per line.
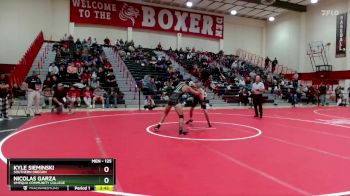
<point>215,72</point>
<point>94,59</point>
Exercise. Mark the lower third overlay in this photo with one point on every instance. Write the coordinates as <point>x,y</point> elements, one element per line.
<point>61,174</point>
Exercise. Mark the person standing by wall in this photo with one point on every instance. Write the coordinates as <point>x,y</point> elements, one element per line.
<point>323,93</point>
<point>33,86</point>
<point>267,62</point>
<point>4,97</point>
<point>274,65</point>
<point>258,89</point>
<point>349,95</point>
<point>337,92</point>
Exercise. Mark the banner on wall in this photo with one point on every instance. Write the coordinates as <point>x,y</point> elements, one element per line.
<point>125,14</point>
<point>341,35</point>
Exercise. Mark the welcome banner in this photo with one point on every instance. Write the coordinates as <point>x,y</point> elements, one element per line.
<point>125,14</point>
<point>341,35</point>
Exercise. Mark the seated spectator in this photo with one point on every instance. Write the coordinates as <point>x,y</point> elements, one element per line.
<point>72,71</point>
<point>101,75</point>
<point>48,82</point>
<point>79,64</point>
<point>85,78</point>
<point>149,103</point>
<point>131,48</point>
<point>60,99</point>
<point>53,69</point>
<point>107,66</point>
<point>94,83</point>
<point>112,95</point>
<point>48,94</point>
<point>99,95</point>
<point>164,97</point>
<point>87,96</point>
<point>111,80</point>
<point>62,73</point>
<point>241,82</point>
<point>74,96</point>
<point>17,91</point>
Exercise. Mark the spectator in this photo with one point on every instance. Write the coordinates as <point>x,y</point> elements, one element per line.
<point>61,100</point>
<point>108,66</point>
<point>241,82</point>
<point>244,97</point>
<point>349,94</point>
<point>85,78</point>
<point>53,69</point>
<point>54,81</point>
<point>72,71</point>
<point>17,91</point>
<point>65,37</point>
<point>112,95</point>
<point>47,93</point>
<point>149,103</point>
<point>341,100</point>
<point>159,46</point>
<point>274,64</point>
<point>311,95</point>
<point>101,75</point>
<point>323,94</point>
<point>62,73</point>
<point>89,41</point>
<point>4,97</point>
<point>107,41</point>
<point>111,80</point>
<point>74,96</point>
<point>33,87</point>
<point>87,96</point>
<point>94,83</point>
<point>98,96</point>
<point>337,92</point>
<point>267,62</point>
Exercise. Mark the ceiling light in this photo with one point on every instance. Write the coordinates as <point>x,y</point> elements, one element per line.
<point>189,4</point>
<point>233,12</point>
<point>314,1</point>
<point>271,18</point>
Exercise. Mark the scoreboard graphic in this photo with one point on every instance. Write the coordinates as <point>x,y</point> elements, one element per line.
<point>61,174</point>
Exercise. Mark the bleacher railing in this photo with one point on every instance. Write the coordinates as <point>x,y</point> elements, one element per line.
<point>259,61</point>
<point>128,76</point>
<point>22,68</point>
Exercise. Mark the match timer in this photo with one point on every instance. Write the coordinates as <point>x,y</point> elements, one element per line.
<point>61,174</point>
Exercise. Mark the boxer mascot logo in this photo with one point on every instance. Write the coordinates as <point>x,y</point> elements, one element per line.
<point>129,13</point>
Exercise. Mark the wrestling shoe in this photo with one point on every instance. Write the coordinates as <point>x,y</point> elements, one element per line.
<point>182,132</point>
<point>156,128</point>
